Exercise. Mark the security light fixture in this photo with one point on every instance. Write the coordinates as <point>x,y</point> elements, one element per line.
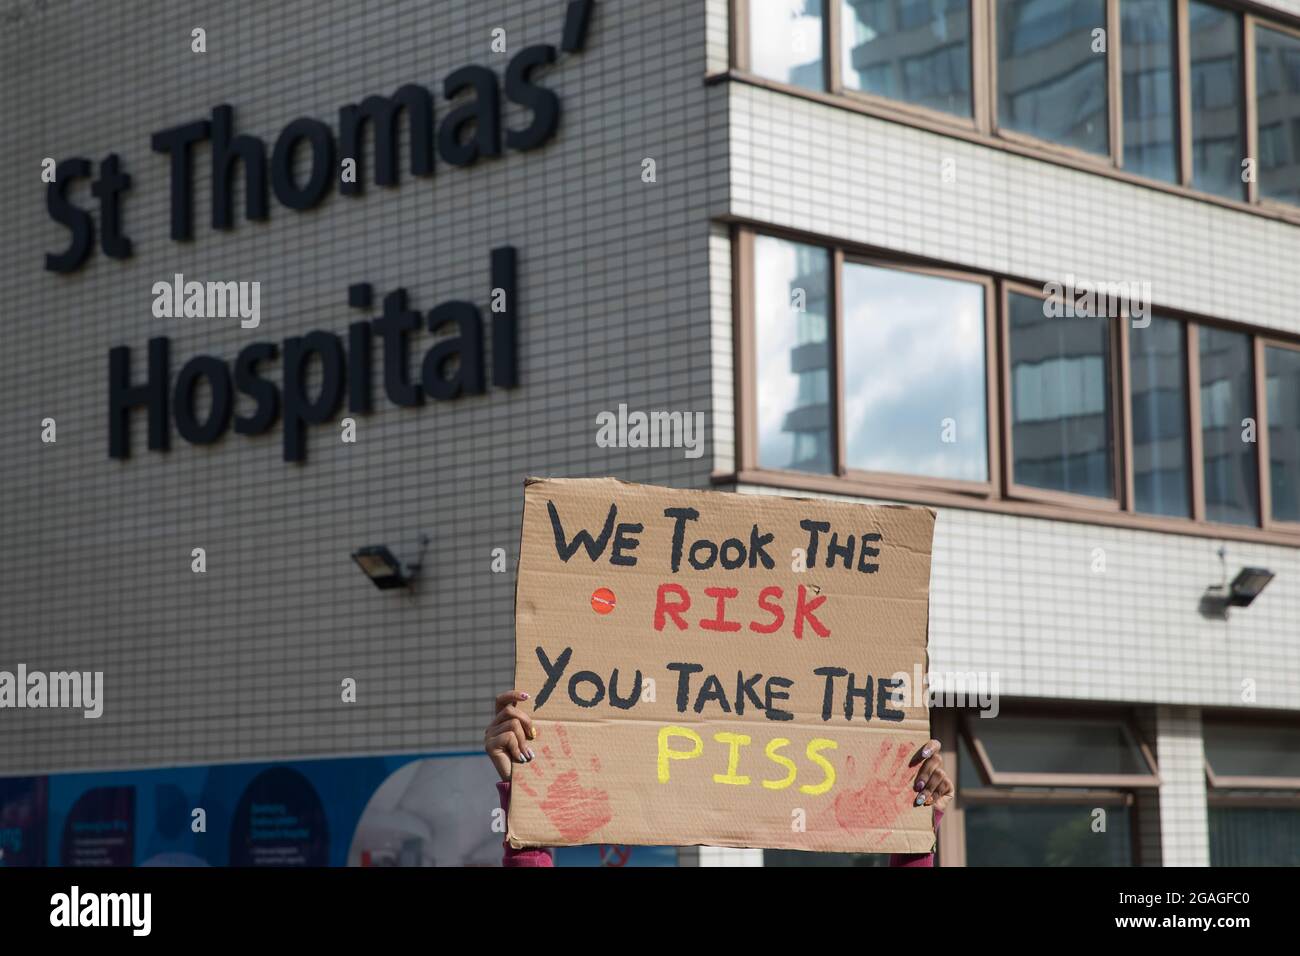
<point>1247,585</point>
<point>384,570</point>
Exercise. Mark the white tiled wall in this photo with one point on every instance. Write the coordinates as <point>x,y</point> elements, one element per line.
<point>721,319</point>
<point>1015,595</point>
<point>1019,596</point>
<point>1183,820</point>
<point>826,170</point>
<point>729,856</point>
<point>1289,7</point>
<point>246,661</point>
<point>718,25</point>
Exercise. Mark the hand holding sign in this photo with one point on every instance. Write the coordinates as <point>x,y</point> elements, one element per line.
<point>706,689</point>
<point>507,737</point>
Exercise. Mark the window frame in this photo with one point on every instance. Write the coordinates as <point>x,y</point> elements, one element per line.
<point>1246,81</point>
<point>1224,792</point>
<point>738,43</point>
<point>1192,377</point>
<point>745,332</point>
<point>952,725</point>
<point>1000,494</point>
<point>745,356</point>
<point>1262,344</point>
<point>1113,158</point>
<point>1116,387</point>
<point>979,46</point>
<point>992,777</point>
<point>982,126</point>
<point>1228,782</point>
<point>991,416</point>
<point>1198,435</point>
<point>1180,64</point>
<point>1252,103</point>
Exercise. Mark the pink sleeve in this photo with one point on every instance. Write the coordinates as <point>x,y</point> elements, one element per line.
<point>917,859</point>
<point>539,856</point>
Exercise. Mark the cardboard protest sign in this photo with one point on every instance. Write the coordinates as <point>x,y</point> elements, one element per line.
<point>724,669</point>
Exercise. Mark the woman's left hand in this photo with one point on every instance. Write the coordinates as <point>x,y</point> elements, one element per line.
<point>933,786</point>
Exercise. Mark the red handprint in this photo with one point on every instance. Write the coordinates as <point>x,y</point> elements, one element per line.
<point>882,796</point>
<point>576,811</point>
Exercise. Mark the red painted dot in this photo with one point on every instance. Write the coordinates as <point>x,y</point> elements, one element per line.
<point>602,600</point>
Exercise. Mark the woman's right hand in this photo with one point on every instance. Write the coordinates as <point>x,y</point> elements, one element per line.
<point>506,739</point>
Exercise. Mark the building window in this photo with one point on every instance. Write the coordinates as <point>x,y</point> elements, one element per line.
<point>1061,408</point>
<point>791,303</point>
<point>1254,828</point>
<point>1150,88</point>
<point>1228,428</point>
<point>1029,834</point>
<point>1030,785</point>
<point>1253,772</point>
<point>1217,100</point>
<point>785,41</point>
<point>1051,80</point>
<point>899,417</point>
<point>1041,408</point>
<point>915,51</point>
<point>1159,410</point>
<point>1282,386</point>
<point>1277,99</point>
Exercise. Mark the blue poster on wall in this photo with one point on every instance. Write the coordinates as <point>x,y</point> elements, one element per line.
<point>436,809</point>
<point>279,821</point>
<point>99,830</point>
<point>22,821</point>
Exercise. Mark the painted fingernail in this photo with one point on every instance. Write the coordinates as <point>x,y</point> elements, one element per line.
<point>919,785</point>
<point>531,755</point>
<point>920,799</point>
<point>523,696</point>
<point>532,734</point>
<point>926,752</point>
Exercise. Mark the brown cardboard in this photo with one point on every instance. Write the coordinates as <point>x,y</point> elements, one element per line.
<point>596,777</point>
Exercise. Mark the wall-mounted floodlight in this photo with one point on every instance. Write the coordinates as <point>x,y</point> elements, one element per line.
<point>383,569</point>
<point>1247,585</point>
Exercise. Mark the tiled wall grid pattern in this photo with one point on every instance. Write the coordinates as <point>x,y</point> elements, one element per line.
<point>246,660</point>
<point>1184,830</point>
<point>1018,596</point>
<point>615,280</point>
<point>1015,595</point>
